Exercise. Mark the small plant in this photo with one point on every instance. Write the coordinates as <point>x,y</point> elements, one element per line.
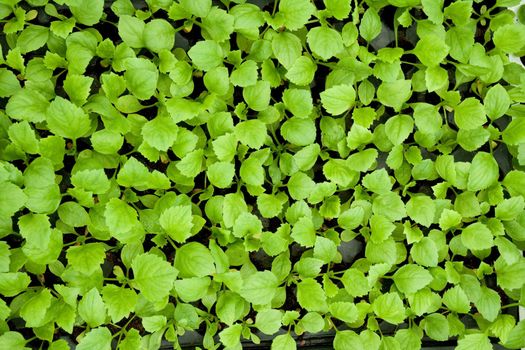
<point>261,168</point>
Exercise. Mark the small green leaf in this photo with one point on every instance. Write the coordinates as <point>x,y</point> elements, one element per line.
<point>259,288</point>
<point>177,222</point>
<point>67,120</point>
<point>394,94</point>
<point>410,278</point>
<point>86,258</point>
<point>295,13</point>
<point>483,173</point>
<point>194,260</point>
<point>96,339</point>
<point>92,309</point>
<point>311,295</point>
<point>324,42</point>
<point>206,55</point>
<point>477,236</point>
<point>153,276</point>
<point>338,99</point>
<point>469,114</point>
<point>497,101</point>
<point>389,307</point>
<point>119,301</point>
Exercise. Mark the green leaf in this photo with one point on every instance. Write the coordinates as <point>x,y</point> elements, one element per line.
<point>197,8</point>
<point>477,236</point>
<point>338,99</point>
<point>469,114</point>
<point>177,222</point>
<point>221,174</point>
<point>194,260</point>
<point>191,165</point>
<point>23,136</point>
<point>92,309</point>
<point>283,342</point>
<point>510,208</point>
<point>425,252</point>
<point>344,311</point>
<point>131,30</point>
<point>286,48</point>
<point>78,88</point>
<point>339,9</point>
<point>497,102</point>
<point>301,72</point>
<point>119,301</point>
<point>73,214</point>
<point>421,209</point>
<point>303,232</point>
<point>410,278</point>
<point>120,217</point>
<point>158,35</point>
<point>510,38</point>
<point>160,132</point>
<point>9,84</point>
<point>141,77</point>
<point>206,55</point>
<point>431,50</point>
<point>94,180</point>
<point>381,228</point>
<point>259,288</point>
<point>86,258</point>
<point>257,96</point>
<point>456,300</point>
<point>106,141</point>
<point>488,303</point>
<point>32,38</point>
<point>514,133</point>
<point>477,341</point>
<point>13,340</point>
<point>483,173</point>
<point>394,94</point>
<point>27,105</point>
<point>399,128</point>
<point>299,131</point>
<point>13,283</point>
<point>192,289</point>
<point>324,42</point>
<point>370,26</point>
<point>245,74</point>
<point>389,307</point>
<point>295,13</point>
<point>153,276</point>
<point>87,12</point>
<point>230,337</point>
<point>311,295</point>
<point>378,181</point>
<point>67,120</point>
<point>96,339</point>
<point>434,10</point>
<point>218,25</point>
<point>298,101</point>
<point>251,133</point>
<point>436,327</point>
<point>34,310</point>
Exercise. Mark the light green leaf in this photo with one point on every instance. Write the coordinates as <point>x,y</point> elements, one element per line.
<point>119,301</point>
<point>67,120</point>
<point>257,96</point>
<point>295,13</point>
<point>311,295</point>
<point>488,303</point>
<point>131,30</point>
<point>344,311</point>
<point>78,88</point>
<point>252,133</point>
<point>398,128</point>
<point>86,258</point>
<point>96,339</point>
<point>389,307</point>
<point>259,288</point>
<point>158,35</point>
<point>153,276</point>
<point>456,300</point>
<point>477,236</point>
<point>206,55</point>
<point>338,99</point>
<point>221,174</point>
<point>324,42</point>
<point>13,283</point>
<point>34,310</point>
<point>410,278</point>
<point>27,105</point>
<point>299,131</point>
<point>510,38</point>
<point>286,48</point>
<point>469,114</point>
<point>32,38</point>
<point>92,309</point>
<point>9,84</point>
<point>478,341</point>
<point>177,222</point>
<point>283,342</point>
<point>394,94</point>
<point>160,132</point>
<point>218,25</point>
<point>370,26</point>
<point>483,173</point>
<point>421,209</point>
<point>87,12</point>
<point>497,102</point>
<point>120,217</point>
<point>141,77</point>
<point>194,260</point>
<point>431,50</point>
<point>302,71</point>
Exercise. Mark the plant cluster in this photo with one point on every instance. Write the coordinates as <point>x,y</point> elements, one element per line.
<point>247,168</point>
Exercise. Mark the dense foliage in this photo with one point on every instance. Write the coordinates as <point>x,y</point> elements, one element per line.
<point>248,168</point>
